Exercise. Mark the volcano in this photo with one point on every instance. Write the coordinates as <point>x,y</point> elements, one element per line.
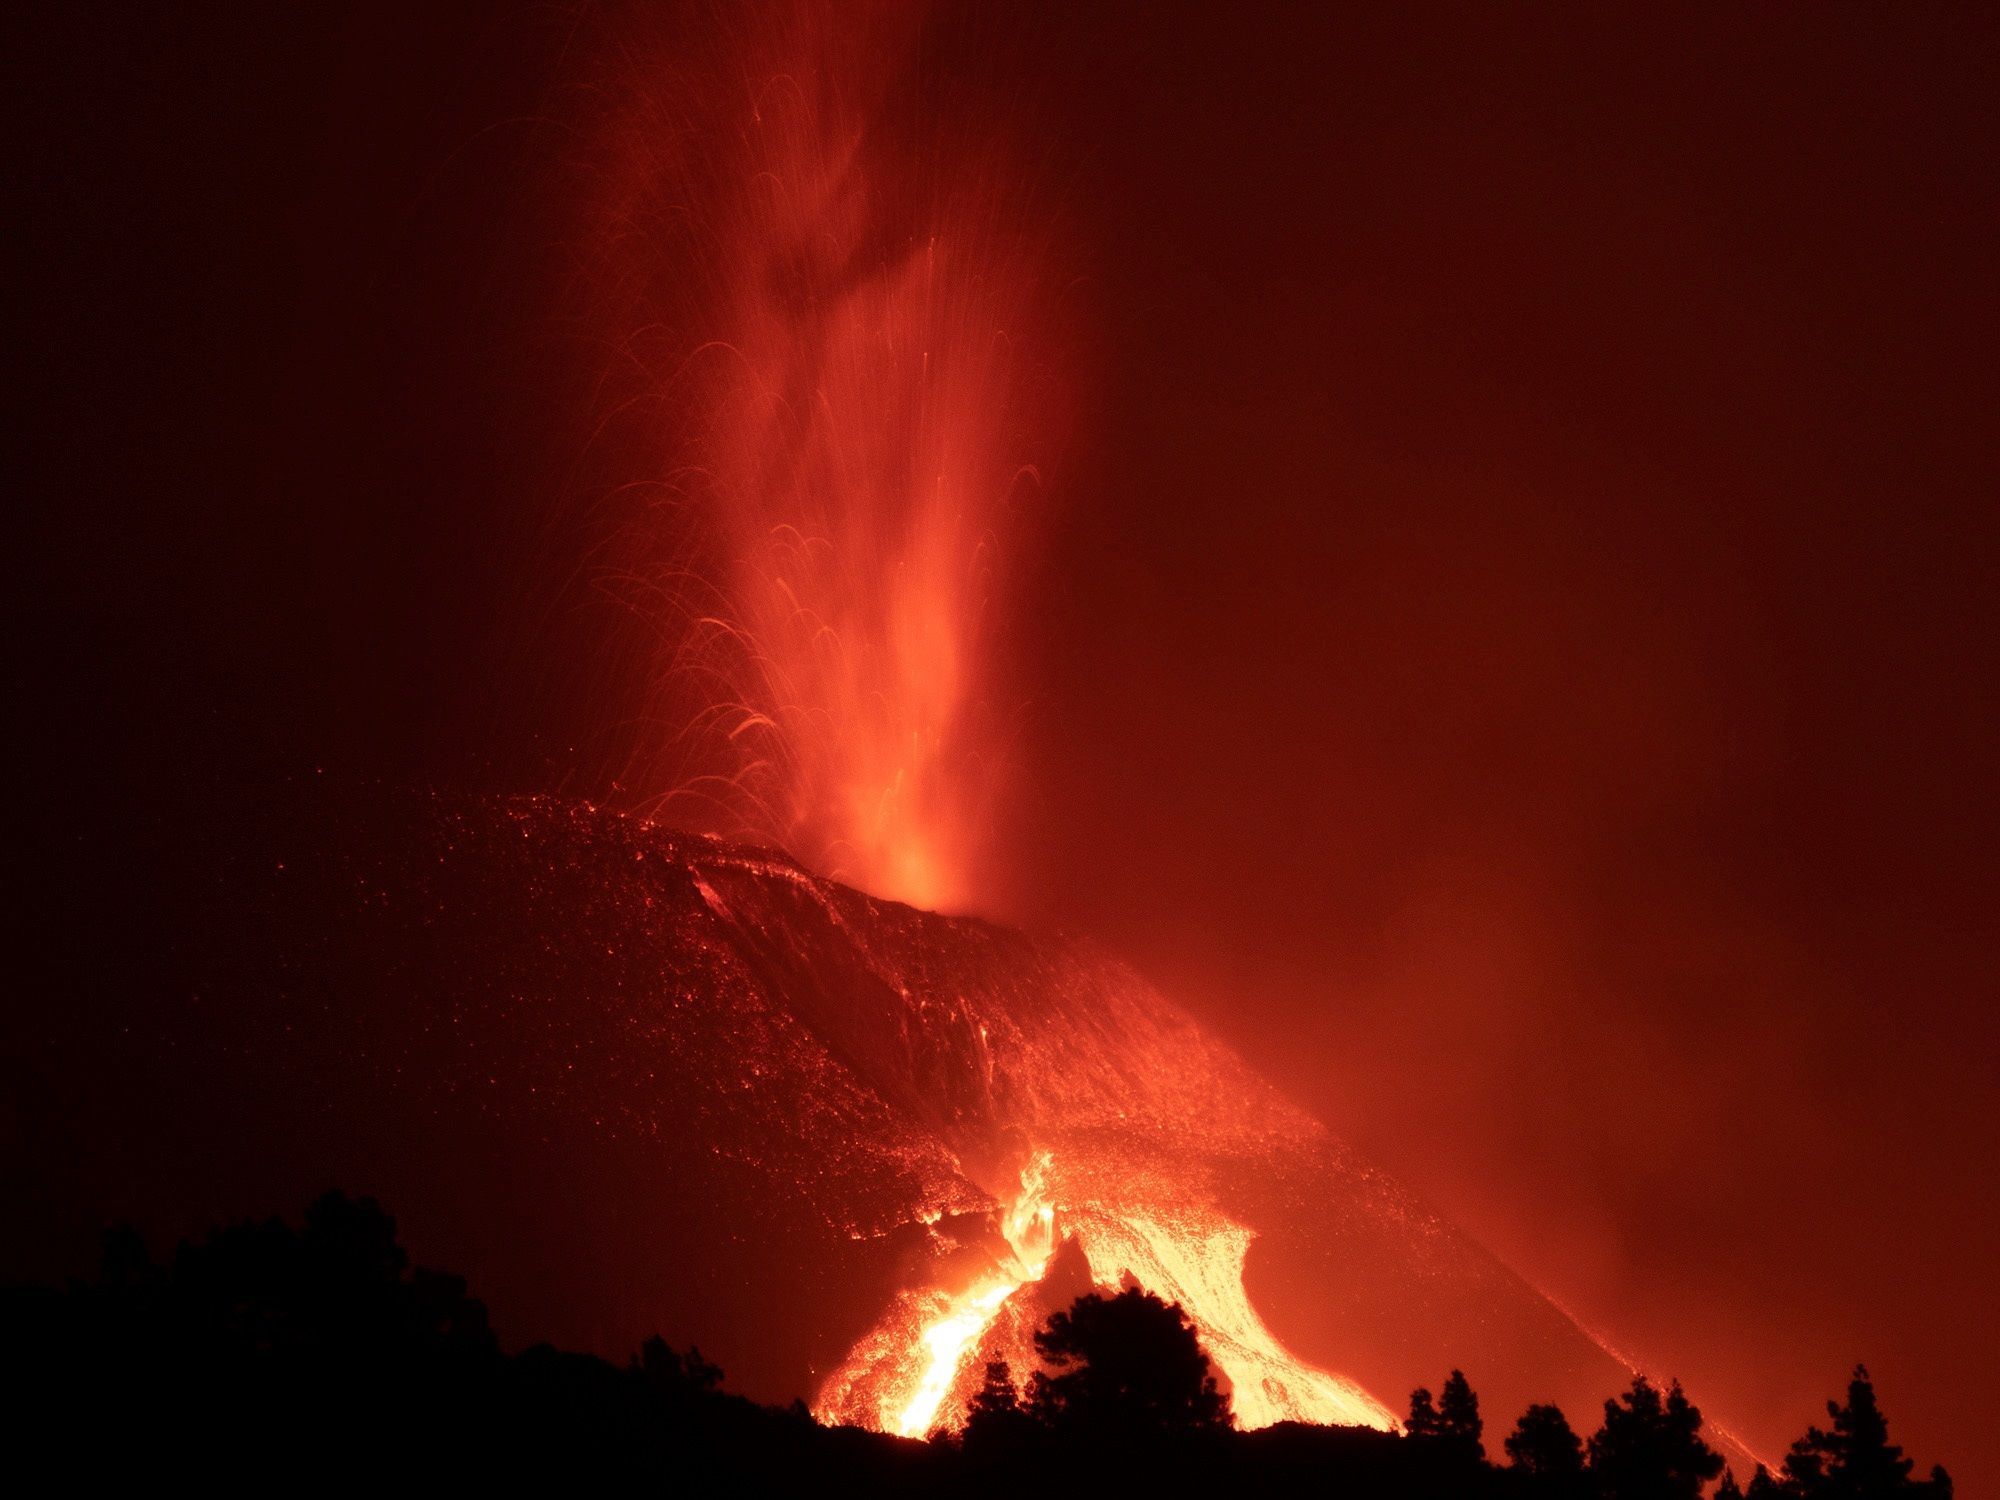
<point>633,1080</point>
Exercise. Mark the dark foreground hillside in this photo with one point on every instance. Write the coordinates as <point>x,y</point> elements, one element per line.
<point>269,1355</point>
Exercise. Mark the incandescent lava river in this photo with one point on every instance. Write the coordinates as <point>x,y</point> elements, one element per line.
<point>636,1081</point>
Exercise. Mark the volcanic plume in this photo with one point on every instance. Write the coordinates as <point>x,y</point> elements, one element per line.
<point>747,1098</point>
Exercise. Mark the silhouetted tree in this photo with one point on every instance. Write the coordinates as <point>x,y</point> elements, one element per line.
<point>1854,1459</point>
<point>1459,1424</point>
<point>1423,1422</point>
<point>1124,1367</point>
<point>997,1425</point>
<point>1448,1427</point>
<point>1650,1448</point>
<point>998,1397</point>
<point>1545,1447</point>
<point>1729,1489</point>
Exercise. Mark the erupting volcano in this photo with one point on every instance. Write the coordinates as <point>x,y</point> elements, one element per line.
<point>883,687</point>
<point>852,1148</point>
<point>828,286</point>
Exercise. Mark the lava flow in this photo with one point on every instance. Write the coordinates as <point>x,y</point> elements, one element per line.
<point>917,1370</point>
<point>943,1347</point>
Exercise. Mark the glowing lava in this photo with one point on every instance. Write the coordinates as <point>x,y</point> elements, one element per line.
<point>1029,1228</point>
<point>1195,1258</point>
<point>817,1113</point>
<point>915,1371</point>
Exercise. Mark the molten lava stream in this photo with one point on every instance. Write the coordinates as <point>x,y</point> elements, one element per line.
<point>915,1370</point>
<point>1194,1256</point>
<point>939,1353</point>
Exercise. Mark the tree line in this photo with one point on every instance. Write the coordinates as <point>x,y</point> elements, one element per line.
<point>319,1354</point>
<point>1128,1367</point>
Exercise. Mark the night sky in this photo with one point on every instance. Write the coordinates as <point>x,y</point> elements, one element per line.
<point>1508,637</point>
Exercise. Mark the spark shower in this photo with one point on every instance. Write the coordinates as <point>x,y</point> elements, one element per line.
<point>827,296</point>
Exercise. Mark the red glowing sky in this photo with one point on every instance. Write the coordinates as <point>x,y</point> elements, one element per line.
<point>1509,638</point>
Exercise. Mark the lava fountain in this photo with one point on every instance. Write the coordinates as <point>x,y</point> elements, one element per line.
<point>825,275</point>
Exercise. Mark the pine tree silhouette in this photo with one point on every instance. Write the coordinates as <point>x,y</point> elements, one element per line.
<point>1545,1447</point>
<point>1650,1447</point>
<point>1423,1422</point>
<point>1459,1425</point>
<point>1127,1366</point>
<point>997,1423</point>
<point>1854,1459</point>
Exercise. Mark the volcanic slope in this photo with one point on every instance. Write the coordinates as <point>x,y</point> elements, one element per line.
<point>632,1080</point>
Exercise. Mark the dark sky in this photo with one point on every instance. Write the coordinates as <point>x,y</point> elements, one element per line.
<point>1511,634</point>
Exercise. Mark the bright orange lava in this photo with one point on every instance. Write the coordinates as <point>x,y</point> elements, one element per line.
<point>915,1371</point>
<point>1029,1227</point>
